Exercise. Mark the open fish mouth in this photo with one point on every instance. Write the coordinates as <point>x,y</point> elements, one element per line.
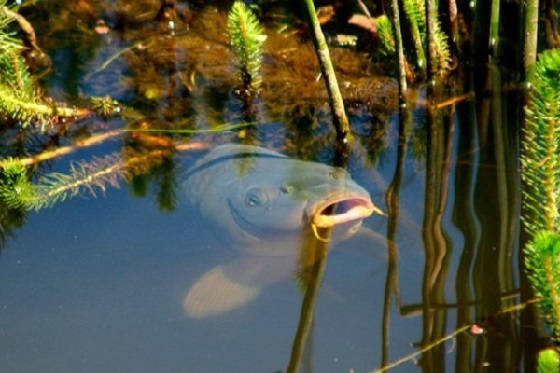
<point>343,210</point>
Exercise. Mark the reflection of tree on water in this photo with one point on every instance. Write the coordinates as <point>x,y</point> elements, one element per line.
<point>312,264</point>
<point>436,242</point>
<point>496,202</point>
<point>466,221</point>
<point>393,208</point>
<point>10,219</point>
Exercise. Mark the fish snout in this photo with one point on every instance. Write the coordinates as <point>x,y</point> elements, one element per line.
<point>338,211</point>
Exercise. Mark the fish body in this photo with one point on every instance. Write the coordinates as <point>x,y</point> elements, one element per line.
<point>267,205</point>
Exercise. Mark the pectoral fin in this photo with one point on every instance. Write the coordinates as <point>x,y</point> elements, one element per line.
<point>215,293</point>
<point>228,287</point>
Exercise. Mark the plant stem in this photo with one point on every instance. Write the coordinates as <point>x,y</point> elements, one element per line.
<point>399,45</point>
<point>43,109</point>
<point>453,19</point>
<point>531,32</point>
<point>336,103</point>
<point>494,25</point>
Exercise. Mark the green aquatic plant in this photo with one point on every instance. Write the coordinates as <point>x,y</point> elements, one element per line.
<point>385,34</point>
<point>17,89</point>
<point>246,39</point>
<point>540,156</point>
<point>542,265</point>
<point>20,99</point>
<point>90,177</point>
<point>548,361</point>
<point>15,189</point>
<point>442,64</point>
<point>415,12</point>
<point>105,106</point>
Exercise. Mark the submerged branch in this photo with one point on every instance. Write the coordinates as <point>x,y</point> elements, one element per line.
<point>423,350</point>
<point>446,338</point>
<point>222,128</point>
<point>64,150</point>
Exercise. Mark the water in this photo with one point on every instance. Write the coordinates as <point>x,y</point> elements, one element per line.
<point>97,284</point>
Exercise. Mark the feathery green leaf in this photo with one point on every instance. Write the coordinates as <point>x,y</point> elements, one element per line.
<point>542,264</point>
<point>540,156</point>
<point>246,41</point>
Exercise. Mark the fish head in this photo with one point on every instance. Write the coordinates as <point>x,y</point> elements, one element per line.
<point>314,196</point>
<point>337,201</point>
<point>261,209</point>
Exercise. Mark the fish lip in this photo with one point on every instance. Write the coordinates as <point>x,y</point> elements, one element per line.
<point>359,207</point>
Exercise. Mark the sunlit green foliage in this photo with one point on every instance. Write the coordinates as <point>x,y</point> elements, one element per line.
<point>548,361</point>
<point>540,158</point>
<point>15,189</point>
<point>415,11</point>
<point>246,42</point>
<point>105,106</point>
<point>443,62</point>
<point>542,263</point>
<point>385,33</point>
<point>91,177</point>
<point>17,88</point>
<point>416,14</point>
<point>540,161</point>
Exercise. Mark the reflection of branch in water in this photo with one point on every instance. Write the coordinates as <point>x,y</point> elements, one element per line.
<point>416,309</point>
<point>392,200</point>
<point>507,187</point>
<point>64,150</point>
<point>495,202</point>
<point>423,350</point>
<point>314,252</point>
<point>455,333</point>
<point>308,305</point>
<point>96,174</point>
<point>465,219</point>
<point>436,248</point>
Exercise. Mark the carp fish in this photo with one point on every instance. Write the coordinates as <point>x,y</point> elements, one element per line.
<point>266,205</point>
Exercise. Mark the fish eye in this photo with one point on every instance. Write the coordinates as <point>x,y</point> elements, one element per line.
<point>285,189</point>
<point>255,197</point>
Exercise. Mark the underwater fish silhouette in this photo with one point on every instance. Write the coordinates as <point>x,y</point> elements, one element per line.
<point>267,205</point>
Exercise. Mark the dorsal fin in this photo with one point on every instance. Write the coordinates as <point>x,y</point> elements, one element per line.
<point>228,152</point>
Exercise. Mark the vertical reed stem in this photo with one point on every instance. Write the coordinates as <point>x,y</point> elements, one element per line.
<point>531,32</point>
<point>494,25</point>
<point>399,45</point>
<point>340,120</point>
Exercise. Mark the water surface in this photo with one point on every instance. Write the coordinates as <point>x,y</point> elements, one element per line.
<point>97,284</point>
